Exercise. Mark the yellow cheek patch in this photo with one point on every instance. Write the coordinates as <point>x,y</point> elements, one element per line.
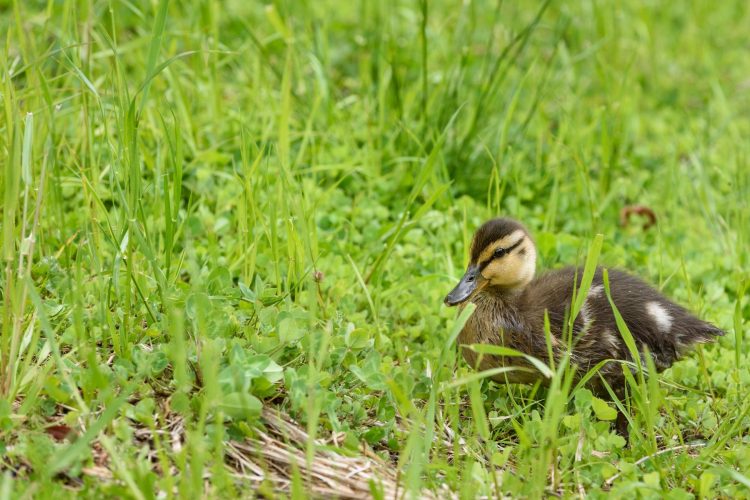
<point>491,270</point>
<point>502,271</point>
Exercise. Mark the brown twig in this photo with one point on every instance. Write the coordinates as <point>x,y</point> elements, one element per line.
<point>641,210</point>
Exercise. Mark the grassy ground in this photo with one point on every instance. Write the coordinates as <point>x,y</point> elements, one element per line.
<point>214,210</point>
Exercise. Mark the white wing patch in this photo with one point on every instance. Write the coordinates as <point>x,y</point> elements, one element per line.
<point>595,291</point>
<point>661,316</point>
<point>611,341</point>
<point>585,313</point>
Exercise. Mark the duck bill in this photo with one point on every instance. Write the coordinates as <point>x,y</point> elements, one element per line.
<point>471,282</point>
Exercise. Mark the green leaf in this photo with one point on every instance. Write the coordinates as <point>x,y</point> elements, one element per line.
<point>497,350</point>
<point>589,270</point>
<point>602,410</point>
<point>572,421</point>
<point>273,372</point>
<point>241,406</point>
<point>28,135</point>
<point>220,280</point>
<point>707,481</point>
<point>483,374</point>
<point>357,338</point>
<point>477,410</point>
<point>373,380</point>
<point>652,479</point>
<point>375,434</point>
<point>459,324</point>
<point>6,411</point>
<point>143,411</point>
<point>157,33</point>
<point>622,327</point>
<point>180,402</point>
<point>288,330</point>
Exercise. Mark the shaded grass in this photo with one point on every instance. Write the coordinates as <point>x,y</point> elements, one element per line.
<point>214,209</point>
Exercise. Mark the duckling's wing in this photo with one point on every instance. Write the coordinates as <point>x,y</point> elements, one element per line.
<point>665,328</point>
<point>653,319</point>
<point>551,293</point>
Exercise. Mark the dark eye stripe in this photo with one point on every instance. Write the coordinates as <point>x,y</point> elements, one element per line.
<point>500,252</point>
<point>505,251</point>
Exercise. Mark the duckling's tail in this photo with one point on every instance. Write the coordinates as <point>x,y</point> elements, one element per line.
<point>708,334</point>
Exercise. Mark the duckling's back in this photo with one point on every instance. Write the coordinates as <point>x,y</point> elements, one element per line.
<point>666,329</point>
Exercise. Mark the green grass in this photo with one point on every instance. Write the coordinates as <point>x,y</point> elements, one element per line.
<point>216,208</point>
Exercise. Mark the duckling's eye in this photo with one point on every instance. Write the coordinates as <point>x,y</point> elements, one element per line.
<point>499,252</point>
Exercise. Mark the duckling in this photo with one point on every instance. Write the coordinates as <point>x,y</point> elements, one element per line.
<point>511,305</point>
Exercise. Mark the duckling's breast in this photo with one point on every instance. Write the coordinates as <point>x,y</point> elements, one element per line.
<point>496,321</point>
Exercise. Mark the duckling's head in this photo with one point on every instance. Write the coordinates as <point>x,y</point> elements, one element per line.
<point>503,257</point>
